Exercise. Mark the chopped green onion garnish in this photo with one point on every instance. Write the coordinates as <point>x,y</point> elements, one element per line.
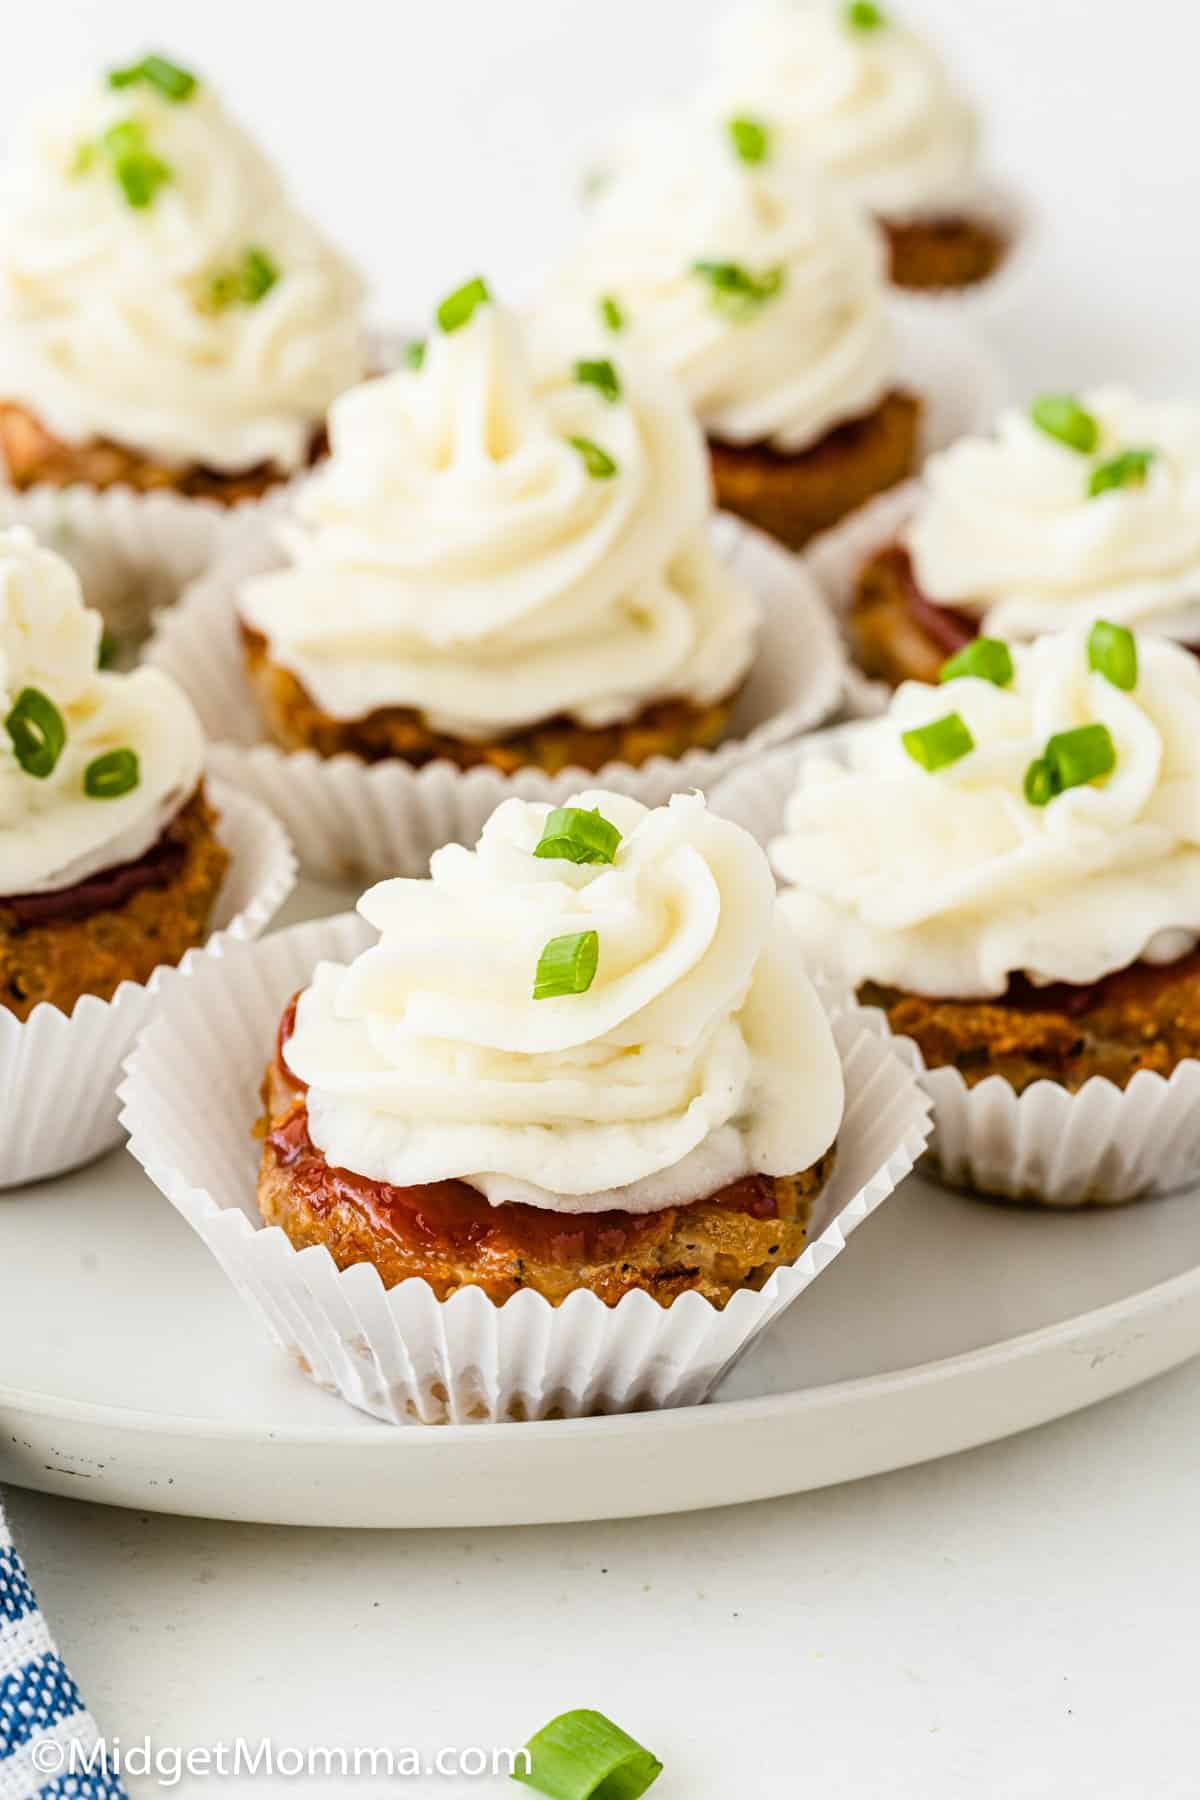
<point>1129,469</point>
<point>106,655</point>
<point>1039,783</point>
<point>567,965</point>
<point>1061,416</point>
<point>584,1756</point>
<point>864,15</point>
<point>123,78</point>
<point>84,158</point>
<point>1078,757</point>
<point>126,138</point>
<point>600,375</point>
<point>172,82</point>
<point>1112,652</point>
<point>138,170</point>
<point>37,732</point>
<point>1072,759</point>
<point>987,658</point>
<point>598,463</point>
<point>572,835</point>
<point>458,308</point>
<point>938,745</point>
<point>611,312</point>
<point>414,354</point>
<point>737,291</point>
<point>222,290</point>
<point>250,282</point>
<point>109,776</point>
<point>258,275</point>
<point>751,139</point>
<point>594,183</point>
<point>141,177</point>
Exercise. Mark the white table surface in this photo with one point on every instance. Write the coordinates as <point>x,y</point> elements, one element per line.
<point>1016,1622</point>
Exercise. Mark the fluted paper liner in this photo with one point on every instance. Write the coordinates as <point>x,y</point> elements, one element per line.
<point>59,1072</point>
<point>1102,1145</point>
<point>348,818</point>
<point>401,1354</point>
<point>134,553</point>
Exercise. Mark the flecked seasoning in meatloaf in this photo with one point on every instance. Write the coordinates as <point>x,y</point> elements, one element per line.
<point>1143,1017</point>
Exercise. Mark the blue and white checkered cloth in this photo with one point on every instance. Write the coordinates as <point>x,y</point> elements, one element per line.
<point>39,1701</point>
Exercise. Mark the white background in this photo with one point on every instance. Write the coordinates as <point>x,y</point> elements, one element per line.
<point>1018,1622</point>
<point>438,137</point>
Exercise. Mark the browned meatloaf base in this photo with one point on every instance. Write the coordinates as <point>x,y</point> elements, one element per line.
<point>1145,1017</point>
<point>297,723</point>
<point>448,1234</point>
<point>942,253</point>
<point>118,925</point>
<point>795,497</point>
<point>898,635</point>
<point>32,454</point>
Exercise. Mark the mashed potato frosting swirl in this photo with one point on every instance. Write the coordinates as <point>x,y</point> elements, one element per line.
<point>1009,529</point>
<point>53,832</point>
<point>947,883</point>
<point>505,535</point>
<point>756,283</point>
<point>158,288</point>
<point>871,101</point>
<point>698,1054</point>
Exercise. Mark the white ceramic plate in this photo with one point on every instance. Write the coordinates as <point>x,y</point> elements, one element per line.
<point>131,1374</point>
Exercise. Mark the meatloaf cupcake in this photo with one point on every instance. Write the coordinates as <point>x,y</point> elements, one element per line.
<point>507,576</point>
<point>111,863</point>
<point>874,104</point>
<point>168,320</point>
<point>582,1074</point>
<point>1009,865</point>
<point>717,251</point>
<point>572,1061</point>
<point>505,562</point>
<point>1076,509</point>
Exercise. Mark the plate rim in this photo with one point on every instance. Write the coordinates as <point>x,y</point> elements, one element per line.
<point>1159,1297</point>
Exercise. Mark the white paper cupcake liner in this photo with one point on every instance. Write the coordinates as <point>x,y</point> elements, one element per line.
<point>349,819</point>
<point>1005,207</point>
<point>1103,1145</point>
<point>59,1072</point>
<point>134,553</point>
<point>401,1354</point>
